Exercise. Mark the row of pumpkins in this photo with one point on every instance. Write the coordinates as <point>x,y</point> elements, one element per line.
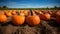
<point>31,17</point>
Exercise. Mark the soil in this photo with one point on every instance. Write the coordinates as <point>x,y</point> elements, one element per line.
<point>45,27</point>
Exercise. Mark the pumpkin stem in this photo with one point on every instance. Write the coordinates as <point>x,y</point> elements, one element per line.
<point>19,12</point>
<point>31,12</point>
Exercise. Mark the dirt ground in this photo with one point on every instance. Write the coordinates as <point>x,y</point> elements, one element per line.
<point>45,27</point>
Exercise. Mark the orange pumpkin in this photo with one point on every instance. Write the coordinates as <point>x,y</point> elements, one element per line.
<point>58,17</point>
<point>49,12</point>
<point>42,16</point>
<point>14,13</point>
<point>32,20</point>
<point>37,12</point>
<point>3,18</point>
<point>25,12</point>
<point>45,16</point>
<point>8,14</point>
<point>57,13</point>
<point>18,19</point>
<point>21,13</point>
<point>54,13</point>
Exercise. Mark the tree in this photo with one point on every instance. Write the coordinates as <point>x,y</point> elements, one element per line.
<point>4,7</point>
<point>47,8</point>
<point>55,7</point>
<point>0,7</point>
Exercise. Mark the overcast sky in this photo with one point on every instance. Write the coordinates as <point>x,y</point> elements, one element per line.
<point>29,3</point>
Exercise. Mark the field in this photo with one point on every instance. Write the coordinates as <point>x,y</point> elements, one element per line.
<point>49,24</point>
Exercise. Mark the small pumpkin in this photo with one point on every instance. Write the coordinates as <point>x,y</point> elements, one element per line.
<point>54,13</point>
<point>32,20</point>
<point>21,13</point>
<point>3,18</point>
<point>45,16</point>
<point>18,19</point>
<point>25,12</point>
<point>38,12</point>
<point>8,14</point>
<point>14,13</point>
<point>49,12</point>
<point>57,13</point>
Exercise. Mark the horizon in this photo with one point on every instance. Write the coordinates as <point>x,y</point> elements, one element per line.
<point>30,3</point>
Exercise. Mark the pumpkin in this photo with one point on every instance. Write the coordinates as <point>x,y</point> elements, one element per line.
<point>57,13</point>
<point>42,17</point>
<point>3,18</point>
<point>2,12</point>
<point>14,13</point>
<point>54,13</point>
<point>25,12</point>
<point>8,14</point>
<point>38,12</point>
<point>18,19</point>
<point>45,16</point>
<point>58,17</point>
<point>21,13</point>
<point>32,20</point>
<point>48,11</point>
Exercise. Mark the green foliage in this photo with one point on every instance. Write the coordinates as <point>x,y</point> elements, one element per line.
<point>0,7</point>
<point>6,8</point>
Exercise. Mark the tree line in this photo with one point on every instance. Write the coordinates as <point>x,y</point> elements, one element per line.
<point>5,7</point>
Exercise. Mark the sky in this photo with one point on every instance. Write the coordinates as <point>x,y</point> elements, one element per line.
<point>30,3</point>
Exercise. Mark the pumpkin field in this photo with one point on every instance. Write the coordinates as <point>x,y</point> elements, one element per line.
<point>29,21</point>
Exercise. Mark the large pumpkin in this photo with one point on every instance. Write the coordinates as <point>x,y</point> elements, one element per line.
<point>18,19</point>
<point>32,20</point>
<point>3,18</point>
